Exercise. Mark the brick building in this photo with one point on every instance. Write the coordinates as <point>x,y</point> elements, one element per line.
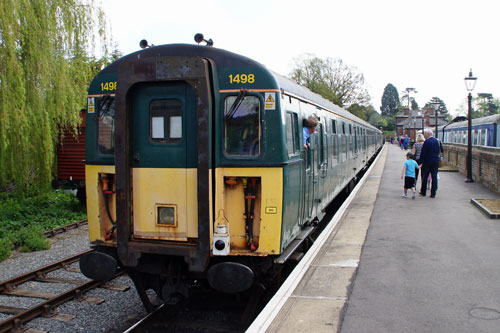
<point>411,121</point>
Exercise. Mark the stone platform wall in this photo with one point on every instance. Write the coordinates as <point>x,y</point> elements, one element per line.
<point>485,163</point>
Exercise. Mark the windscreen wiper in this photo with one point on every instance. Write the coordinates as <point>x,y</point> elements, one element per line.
<point>104,104</point>
<point>236,104</point>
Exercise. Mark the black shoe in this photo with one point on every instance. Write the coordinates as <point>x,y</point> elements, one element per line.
<point>420,193</point>
<point>433,196</point>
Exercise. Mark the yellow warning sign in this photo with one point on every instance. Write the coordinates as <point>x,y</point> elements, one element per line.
<point>270,101</point>
<point>91,107</point>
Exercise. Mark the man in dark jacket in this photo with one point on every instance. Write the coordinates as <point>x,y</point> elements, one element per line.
<point>429,156</point>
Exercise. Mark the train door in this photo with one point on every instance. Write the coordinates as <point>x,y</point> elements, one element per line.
<point>311,175</point>
<point>163,127</point>
<point>308,183</point>
<point>321,181</point>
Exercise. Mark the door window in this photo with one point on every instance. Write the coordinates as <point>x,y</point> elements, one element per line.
<point>291,133</point>
<point>165,120</point>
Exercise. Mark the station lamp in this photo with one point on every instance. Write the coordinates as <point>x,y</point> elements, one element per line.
<point>470,83</point>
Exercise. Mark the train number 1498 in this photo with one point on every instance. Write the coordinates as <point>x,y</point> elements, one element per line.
<point>108,86</point>
<point>241,78</point>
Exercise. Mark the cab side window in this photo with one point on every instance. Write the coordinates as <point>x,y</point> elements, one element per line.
<point>242,130</point>
<point>106,125</point>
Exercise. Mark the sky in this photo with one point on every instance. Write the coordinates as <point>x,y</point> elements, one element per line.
<point>426,45</point>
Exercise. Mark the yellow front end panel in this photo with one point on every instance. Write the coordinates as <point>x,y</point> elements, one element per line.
<point>98,220</point>
<point>172,188</point>
<point>230,208</point>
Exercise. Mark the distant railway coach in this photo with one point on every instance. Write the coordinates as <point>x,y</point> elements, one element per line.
<point>71,159</point>
<point>196,170</point>
<point>485,132</point>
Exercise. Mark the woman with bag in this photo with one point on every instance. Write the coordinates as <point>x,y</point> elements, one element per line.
<point>417,148</point>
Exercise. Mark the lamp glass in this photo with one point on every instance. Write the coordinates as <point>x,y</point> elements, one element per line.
<point>470,82</point>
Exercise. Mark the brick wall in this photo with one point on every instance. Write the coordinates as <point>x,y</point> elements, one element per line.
<point>485,163</point>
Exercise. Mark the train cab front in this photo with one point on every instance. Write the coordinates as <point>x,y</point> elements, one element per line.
<point>193,198</point>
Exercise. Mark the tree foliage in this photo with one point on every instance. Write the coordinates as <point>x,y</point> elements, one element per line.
<point>390,100</point>
<point>439,102</point>
<point>44,74</point>
<point>332,79</point>
<point>487,105</point>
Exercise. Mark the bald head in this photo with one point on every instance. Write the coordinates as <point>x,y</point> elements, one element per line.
<point>428,133</point>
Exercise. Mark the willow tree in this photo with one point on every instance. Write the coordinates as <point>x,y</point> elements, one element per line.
<point>45,69</point>
<point>332,79</point>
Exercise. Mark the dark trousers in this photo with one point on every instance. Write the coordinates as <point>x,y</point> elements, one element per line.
<point>433,170</point>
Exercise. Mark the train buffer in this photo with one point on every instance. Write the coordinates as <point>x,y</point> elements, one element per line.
<point>393,264</point>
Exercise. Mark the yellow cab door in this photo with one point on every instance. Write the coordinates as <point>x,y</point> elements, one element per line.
<point>163,127</point>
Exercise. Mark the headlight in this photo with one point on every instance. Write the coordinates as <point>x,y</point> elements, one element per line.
<point>166,216</point>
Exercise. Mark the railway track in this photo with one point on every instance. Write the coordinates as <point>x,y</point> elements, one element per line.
<point>63,229</point>
<point>204,312</point>
<point>12,287</point>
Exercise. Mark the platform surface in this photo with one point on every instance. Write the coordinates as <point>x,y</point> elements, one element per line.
<point>428,265</point>
<point>403,265</point>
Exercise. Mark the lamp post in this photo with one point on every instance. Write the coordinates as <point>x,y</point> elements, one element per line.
<point>436,105</point>
<point>470,83</point>
<point>421,113</point>
<point>415,128</point>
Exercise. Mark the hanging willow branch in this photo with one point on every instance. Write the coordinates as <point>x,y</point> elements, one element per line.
<point>45,70</point>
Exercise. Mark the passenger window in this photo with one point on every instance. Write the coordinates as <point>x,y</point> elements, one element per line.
<point>165,120</point>
<point>335,156</point>
<point>322,143</point>
<point>242,131</point>
<point>484,137</point>
<point>334,126</point>
<point>106,125</point>
<point>344,144</point>
<point>291,133</point>
<point>351,144</point>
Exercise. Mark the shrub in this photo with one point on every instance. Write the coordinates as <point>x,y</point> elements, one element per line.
<point>24,218</point>
<point>5,249</point>
<point>32,239</point>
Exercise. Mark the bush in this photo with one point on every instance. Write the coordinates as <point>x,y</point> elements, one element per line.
<point>5,249</point>
<point>24,219</point>
<point>32,239</point>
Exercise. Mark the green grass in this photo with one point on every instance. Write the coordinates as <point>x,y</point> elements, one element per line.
<point>23,220</point>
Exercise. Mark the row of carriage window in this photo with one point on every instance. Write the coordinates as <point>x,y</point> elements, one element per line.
<point>242,129</point>
<point>337,140</point>
<point>479,137</point>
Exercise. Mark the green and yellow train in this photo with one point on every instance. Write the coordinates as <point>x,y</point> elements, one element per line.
<point>196,168</point>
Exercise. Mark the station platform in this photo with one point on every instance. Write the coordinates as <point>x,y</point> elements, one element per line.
<point>391,264</point>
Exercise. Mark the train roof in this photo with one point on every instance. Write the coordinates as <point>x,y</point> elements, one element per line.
<point>219,56</point>
<point>494,119</point>
<point>225,58</point>
<point>289,86</point>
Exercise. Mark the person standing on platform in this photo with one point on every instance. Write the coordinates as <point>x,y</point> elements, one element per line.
<point>429,157</point>
<point>417,149</point>
<point>406,140</point>
<point>409,175</point>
